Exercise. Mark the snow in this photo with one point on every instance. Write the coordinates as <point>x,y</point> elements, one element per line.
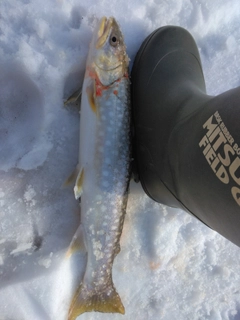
<point>170,266</point>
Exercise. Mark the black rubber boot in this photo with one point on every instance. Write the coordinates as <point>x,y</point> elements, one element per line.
<point>186,143</point>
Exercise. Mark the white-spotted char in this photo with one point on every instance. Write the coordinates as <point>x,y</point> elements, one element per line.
<point>104,162</point>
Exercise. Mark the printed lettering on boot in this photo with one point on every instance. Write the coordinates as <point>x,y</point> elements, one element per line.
<point>222,154</point>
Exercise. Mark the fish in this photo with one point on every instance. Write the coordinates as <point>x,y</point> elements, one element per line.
<point>103,178</point>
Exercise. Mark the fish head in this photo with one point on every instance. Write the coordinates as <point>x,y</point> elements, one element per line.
<point>109,59</point>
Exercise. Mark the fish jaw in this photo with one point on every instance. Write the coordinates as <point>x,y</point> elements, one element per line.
<point>87,299</point>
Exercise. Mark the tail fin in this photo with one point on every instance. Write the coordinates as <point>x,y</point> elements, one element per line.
<point>84,300</point>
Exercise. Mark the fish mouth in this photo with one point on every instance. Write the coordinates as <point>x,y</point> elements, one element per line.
<point>105,27</point>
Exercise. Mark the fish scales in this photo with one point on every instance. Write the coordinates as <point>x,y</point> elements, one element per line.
<point>104,162</point>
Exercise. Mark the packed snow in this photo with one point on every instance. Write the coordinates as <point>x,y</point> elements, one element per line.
<point>170,266</point>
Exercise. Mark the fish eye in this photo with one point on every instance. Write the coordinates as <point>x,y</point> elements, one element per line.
<point>113,40</point>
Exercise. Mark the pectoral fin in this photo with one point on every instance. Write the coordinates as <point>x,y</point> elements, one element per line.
<point>74,97</point>
<point>72,178</point>
<point>79,184</point>
<point>91,94</point>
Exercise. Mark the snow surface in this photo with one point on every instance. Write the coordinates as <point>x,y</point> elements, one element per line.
<point>171,266</point>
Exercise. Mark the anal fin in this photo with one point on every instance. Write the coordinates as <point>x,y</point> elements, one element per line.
<point>74,97</point>
<point>77,243</point>
<point>79,184</point>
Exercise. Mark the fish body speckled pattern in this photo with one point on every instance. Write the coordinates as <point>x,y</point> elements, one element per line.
<point>104,163</point>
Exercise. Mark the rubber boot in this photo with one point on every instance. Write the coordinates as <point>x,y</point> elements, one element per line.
<point>186,143</point>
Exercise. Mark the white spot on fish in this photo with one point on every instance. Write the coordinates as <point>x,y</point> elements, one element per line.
<point>97,244</point>
<point>91,228</point>
<point>99,255</point>
<point>97,247</point>
<point>101,280</point>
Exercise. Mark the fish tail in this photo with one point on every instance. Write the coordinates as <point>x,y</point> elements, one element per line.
<point>85,300</point>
